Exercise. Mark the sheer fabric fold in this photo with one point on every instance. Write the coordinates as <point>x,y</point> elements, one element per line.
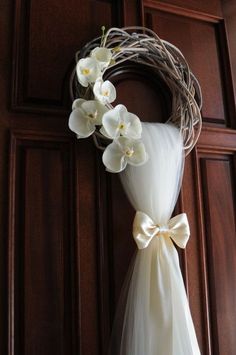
<point>153,316</point>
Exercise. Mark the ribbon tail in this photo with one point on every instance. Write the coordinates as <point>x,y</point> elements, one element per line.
<point>143,230</point>
<point>180,230</point>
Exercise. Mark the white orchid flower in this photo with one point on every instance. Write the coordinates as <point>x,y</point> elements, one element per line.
<point>123,151</point>
<point>86,115</point>
<point>102,55</point>
<point>105,91</point>
<point>119,121</point>
<point>88,71</point>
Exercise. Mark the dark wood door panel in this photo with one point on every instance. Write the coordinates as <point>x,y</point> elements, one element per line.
<point>47,35</point>
<point>187,34</point>
<point>218,208</point>
<point>208,195</point>
<point>42,309</point>
<point>198,6</point>
<point>195,279</point>
<point>229,12</point>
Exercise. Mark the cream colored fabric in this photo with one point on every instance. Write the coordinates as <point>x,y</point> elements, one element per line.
<point>153,316</point>
<point>144,230</point>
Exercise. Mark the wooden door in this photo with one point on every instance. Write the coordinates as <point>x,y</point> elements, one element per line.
<point>65,240</point>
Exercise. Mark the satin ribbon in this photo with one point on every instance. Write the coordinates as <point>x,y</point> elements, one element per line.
<point>144,230</point>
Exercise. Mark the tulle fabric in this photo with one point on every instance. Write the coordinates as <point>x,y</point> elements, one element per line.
<point>153,316</point>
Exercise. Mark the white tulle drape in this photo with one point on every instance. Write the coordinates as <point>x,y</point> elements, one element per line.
<point>153,317</point>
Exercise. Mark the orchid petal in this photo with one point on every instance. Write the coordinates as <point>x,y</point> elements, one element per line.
<point>102,55</point>
<point>110,123</point>
<point>119,121</point>
<point>104,133</point>
<point>77,103</point>
<point>133,124</point>
<point>105,91</point>
<point>88,71</point>
<point>122,110</point>
<point>139,156</point>
<point>133,150</point>
<point>94,110</point>
<point>80,124</point>
<point>113,158</point>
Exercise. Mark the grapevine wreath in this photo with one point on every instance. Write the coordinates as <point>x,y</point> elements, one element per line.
<point>92,109</point>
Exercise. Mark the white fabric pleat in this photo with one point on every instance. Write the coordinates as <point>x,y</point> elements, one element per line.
<point>153,317</point>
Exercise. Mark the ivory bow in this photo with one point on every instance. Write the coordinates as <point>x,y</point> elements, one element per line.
<point>144,230</point>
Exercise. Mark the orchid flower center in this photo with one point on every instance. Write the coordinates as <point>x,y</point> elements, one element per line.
<point>105,93</point>
<point>129,152</point>
<point>92,115</point>
<point>121,126</point>
<point>85,71</point>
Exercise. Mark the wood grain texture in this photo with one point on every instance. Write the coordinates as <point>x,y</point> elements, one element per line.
<point>40,81</point>
<point>104,252</point>
<point>204,7</point>
<point>132,12</point>
<point>88,249</point>
<point>229,11</point>
<point>41,270</point>
<point>218,193</point>
<point>217,139</point>
<point>207,71</point>
<point>195,254</point>
<point>196,12</point>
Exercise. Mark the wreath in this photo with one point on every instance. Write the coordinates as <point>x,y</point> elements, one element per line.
<point>115,130</point>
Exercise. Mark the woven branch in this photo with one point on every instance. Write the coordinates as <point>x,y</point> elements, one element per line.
<point>143,46</point>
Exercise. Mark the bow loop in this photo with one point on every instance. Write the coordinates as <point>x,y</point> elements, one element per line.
<point>145,229</point>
